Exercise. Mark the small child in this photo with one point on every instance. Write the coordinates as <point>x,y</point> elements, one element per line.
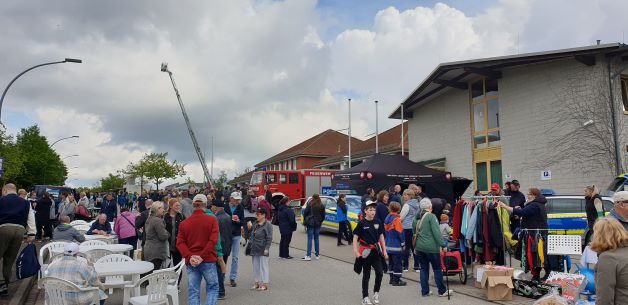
<point>445,229</point>
<point>395,241</point>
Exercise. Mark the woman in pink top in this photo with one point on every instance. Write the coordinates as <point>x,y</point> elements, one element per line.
<point>125,229</point>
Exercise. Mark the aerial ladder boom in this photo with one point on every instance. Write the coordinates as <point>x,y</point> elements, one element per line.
<point>201,158</point>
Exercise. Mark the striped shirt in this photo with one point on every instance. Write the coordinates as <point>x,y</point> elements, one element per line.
<point>79,273</point>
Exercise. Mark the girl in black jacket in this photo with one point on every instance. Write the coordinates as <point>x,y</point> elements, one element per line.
<point>313,216</point>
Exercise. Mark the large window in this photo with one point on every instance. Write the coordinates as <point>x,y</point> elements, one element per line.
<point>487,173</point>
<point>485,107</point>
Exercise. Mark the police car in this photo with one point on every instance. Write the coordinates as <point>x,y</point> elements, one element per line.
<point>567,214</point>
<point>330,224</point>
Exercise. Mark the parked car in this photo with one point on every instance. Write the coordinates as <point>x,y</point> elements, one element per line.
<point>566,214</point>
<point>354,205</point>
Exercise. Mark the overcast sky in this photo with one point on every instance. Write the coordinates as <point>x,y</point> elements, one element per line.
<point>257,75</point>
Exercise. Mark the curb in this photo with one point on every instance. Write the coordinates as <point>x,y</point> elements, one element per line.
<point>23,290</point>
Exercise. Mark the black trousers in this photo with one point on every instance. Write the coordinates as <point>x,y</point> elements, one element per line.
<point>373,261</point>
<point>284,245</point>
<point>129,241</point>
<point>344,228</point>
<point>43,226</point>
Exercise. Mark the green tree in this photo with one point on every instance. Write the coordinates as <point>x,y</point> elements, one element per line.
<point>41,164</point>
<point>13,161</point>
<point>221,181</point>
<point>157,168</point>
<point>111,183</point>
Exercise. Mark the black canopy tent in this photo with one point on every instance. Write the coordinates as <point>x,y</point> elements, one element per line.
<point>380,172</point>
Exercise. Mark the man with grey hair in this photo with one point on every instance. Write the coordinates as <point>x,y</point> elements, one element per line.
<point>186,204</point>
<point>100,227</point>
<point>396,194</point>
<point>16,218</point>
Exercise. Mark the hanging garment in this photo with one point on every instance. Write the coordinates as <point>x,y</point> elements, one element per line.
<point>457,220</point>
<point>523,252</point>
<point>465,219</point>
<point>541,250</point>
<point>504,218</point>
<point>472,224</point>
<point>530,258</point>
<point>486,235</point>
<point>495,229</point>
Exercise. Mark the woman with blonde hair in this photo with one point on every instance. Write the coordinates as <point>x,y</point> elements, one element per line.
<point>156,247</point>
<point>610,241</point>
<point>593,207</point>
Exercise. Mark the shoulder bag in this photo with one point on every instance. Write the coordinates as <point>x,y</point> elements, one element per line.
<point>249,243</point>
<point>417,229</point>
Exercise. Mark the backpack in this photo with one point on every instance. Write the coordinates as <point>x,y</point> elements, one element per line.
<point>27,263</point>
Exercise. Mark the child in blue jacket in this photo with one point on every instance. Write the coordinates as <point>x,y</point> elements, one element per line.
<point>395,241</point>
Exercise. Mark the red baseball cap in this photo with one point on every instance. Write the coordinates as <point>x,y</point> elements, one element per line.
<point>495,187</point>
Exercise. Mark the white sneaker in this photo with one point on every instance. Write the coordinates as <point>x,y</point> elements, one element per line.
<point>307,258</point>
<point>405,270</point>
<point>445,294</point>
<point>376,298</point>
<point>429,294</point>
<point>366,301</point>
<point>318,257</point>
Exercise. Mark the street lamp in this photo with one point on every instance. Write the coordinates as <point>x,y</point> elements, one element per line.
<point>55,142</point>
<point>70,156</point>
<point>72,60</point>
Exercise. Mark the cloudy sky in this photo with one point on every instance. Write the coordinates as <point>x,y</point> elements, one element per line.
<point>257,75</point>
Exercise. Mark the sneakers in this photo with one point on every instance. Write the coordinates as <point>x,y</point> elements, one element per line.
<point>445,293</point>
<point>428,294</point>
<point>376,298</point>
<point>233,283</point>
<point>366,301</point>
<point>289,257</point>
<point>405,270</point>
<point>417,270</point>
<point>318,257</point>
<point>399,282</point>
<point>307,258</point>
<point>222,297</point>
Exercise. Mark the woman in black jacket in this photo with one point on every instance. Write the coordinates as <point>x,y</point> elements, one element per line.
<point>42,216</point>
<point>313,217</point>
<point>287,225</point>
<point>172,219</point>
<point>594,208</point>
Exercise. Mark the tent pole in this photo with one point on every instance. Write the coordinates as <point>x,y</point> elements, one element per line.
<point>349,165</point>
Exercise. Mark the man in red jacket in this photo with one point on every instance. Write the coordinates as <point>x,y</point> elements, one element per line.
<point>197,239</point>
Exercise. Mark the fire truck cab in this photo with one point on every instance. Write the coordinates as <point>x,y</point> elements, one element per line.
<point>296,184</point>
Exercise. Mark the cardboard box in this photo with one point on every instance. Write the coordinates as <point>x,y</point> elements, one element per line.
<point>498,288</point>
<point>482,271</point>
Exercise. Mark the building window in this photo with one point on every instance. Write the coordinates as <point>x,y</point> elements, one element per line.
<point>271,178</point>
<point>487,173</point>
<point>624,93</point>
<point>282,178</point>
<point>485,109</point>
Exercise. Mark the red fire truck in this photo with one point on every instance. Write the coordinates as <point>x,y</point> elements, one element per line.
<point>296,184</point>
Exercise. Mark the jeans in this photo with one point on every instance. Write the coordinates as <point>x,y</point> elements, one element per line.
<point>221,283</point>
<point>372,261</point>
<point>284,245</point>
<point>434,259</point>
<point>406,257</point>
<point>235,252</point>
<point>313,234</point>
<point>207,271</point>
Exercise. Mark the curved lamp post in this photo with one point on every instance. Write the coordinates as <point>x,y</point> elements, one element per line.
<point>55,142</point>
<point>69,156</point>
<point>72,60</point>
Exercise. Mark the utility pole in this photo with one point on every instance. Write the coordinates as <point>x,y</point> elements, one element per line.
<point>376,129</point>
<point>211,173</point>
<point>349,134</point>
<point>402,129</point>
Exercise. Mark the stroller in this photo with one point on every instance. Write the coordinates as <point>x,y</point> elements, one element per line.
<point>451,262</point>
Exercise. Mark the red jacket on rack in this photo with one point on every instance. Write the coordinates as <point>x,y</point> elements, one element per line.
<point>457,220</point>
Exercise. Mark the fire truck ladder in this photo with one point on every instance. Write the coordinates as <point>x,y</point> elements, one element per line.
<point>201,158</point>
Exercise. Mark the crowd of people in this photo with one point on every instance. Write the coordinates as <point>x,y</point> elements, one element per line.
<point>207,228</point>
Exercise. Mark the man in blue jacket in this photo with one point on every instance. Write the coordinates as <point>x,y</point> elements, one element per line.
<point>109,207</point>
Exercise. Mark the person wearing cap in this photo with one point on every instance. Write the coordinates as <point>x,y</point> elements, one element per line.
<point>517,199</point>
<point>429,243</point>
<point>236,212</point>
<point>157,237</point>
<point>72,269</point>
<point>620,208</point>
<point>225,229</point>
<point>496,190</point>
<point>197,240</point>
<point>261,240</point>
<point>367,235</point>
<point>16,219</point>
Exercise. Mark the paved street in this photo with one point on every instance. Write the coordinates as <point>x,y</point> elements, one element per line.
<point>330,280</point>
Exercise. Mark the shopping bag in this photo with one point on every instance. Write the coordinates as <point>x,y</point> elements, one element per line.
<point>27,263</point>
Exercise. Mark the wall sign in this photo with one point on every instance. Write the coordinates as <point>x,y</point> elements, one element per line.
<point>546,175</point>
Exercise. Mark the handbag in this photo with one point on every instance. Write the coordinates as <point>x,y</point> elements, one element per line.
<point>416,234</point>
<point>249,244</point>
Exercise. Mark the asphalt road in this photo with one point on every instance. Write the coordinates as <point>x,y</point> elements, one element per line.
<point>330,280</point>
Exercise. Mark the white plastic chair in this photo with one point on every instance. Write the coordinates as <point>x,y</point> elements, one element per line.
<point>93,242</point>
<point>56,290</point>
<point>173,285</point>
<point>96,254</point>
<point>78,222</point>
<point>49,250</point>
<point>115,281</point>
<point>155,290</point>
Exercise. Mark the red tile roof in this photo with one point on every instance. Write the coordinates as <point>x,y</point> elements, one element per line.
<point>389,141</point>
<point>321,145</point>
